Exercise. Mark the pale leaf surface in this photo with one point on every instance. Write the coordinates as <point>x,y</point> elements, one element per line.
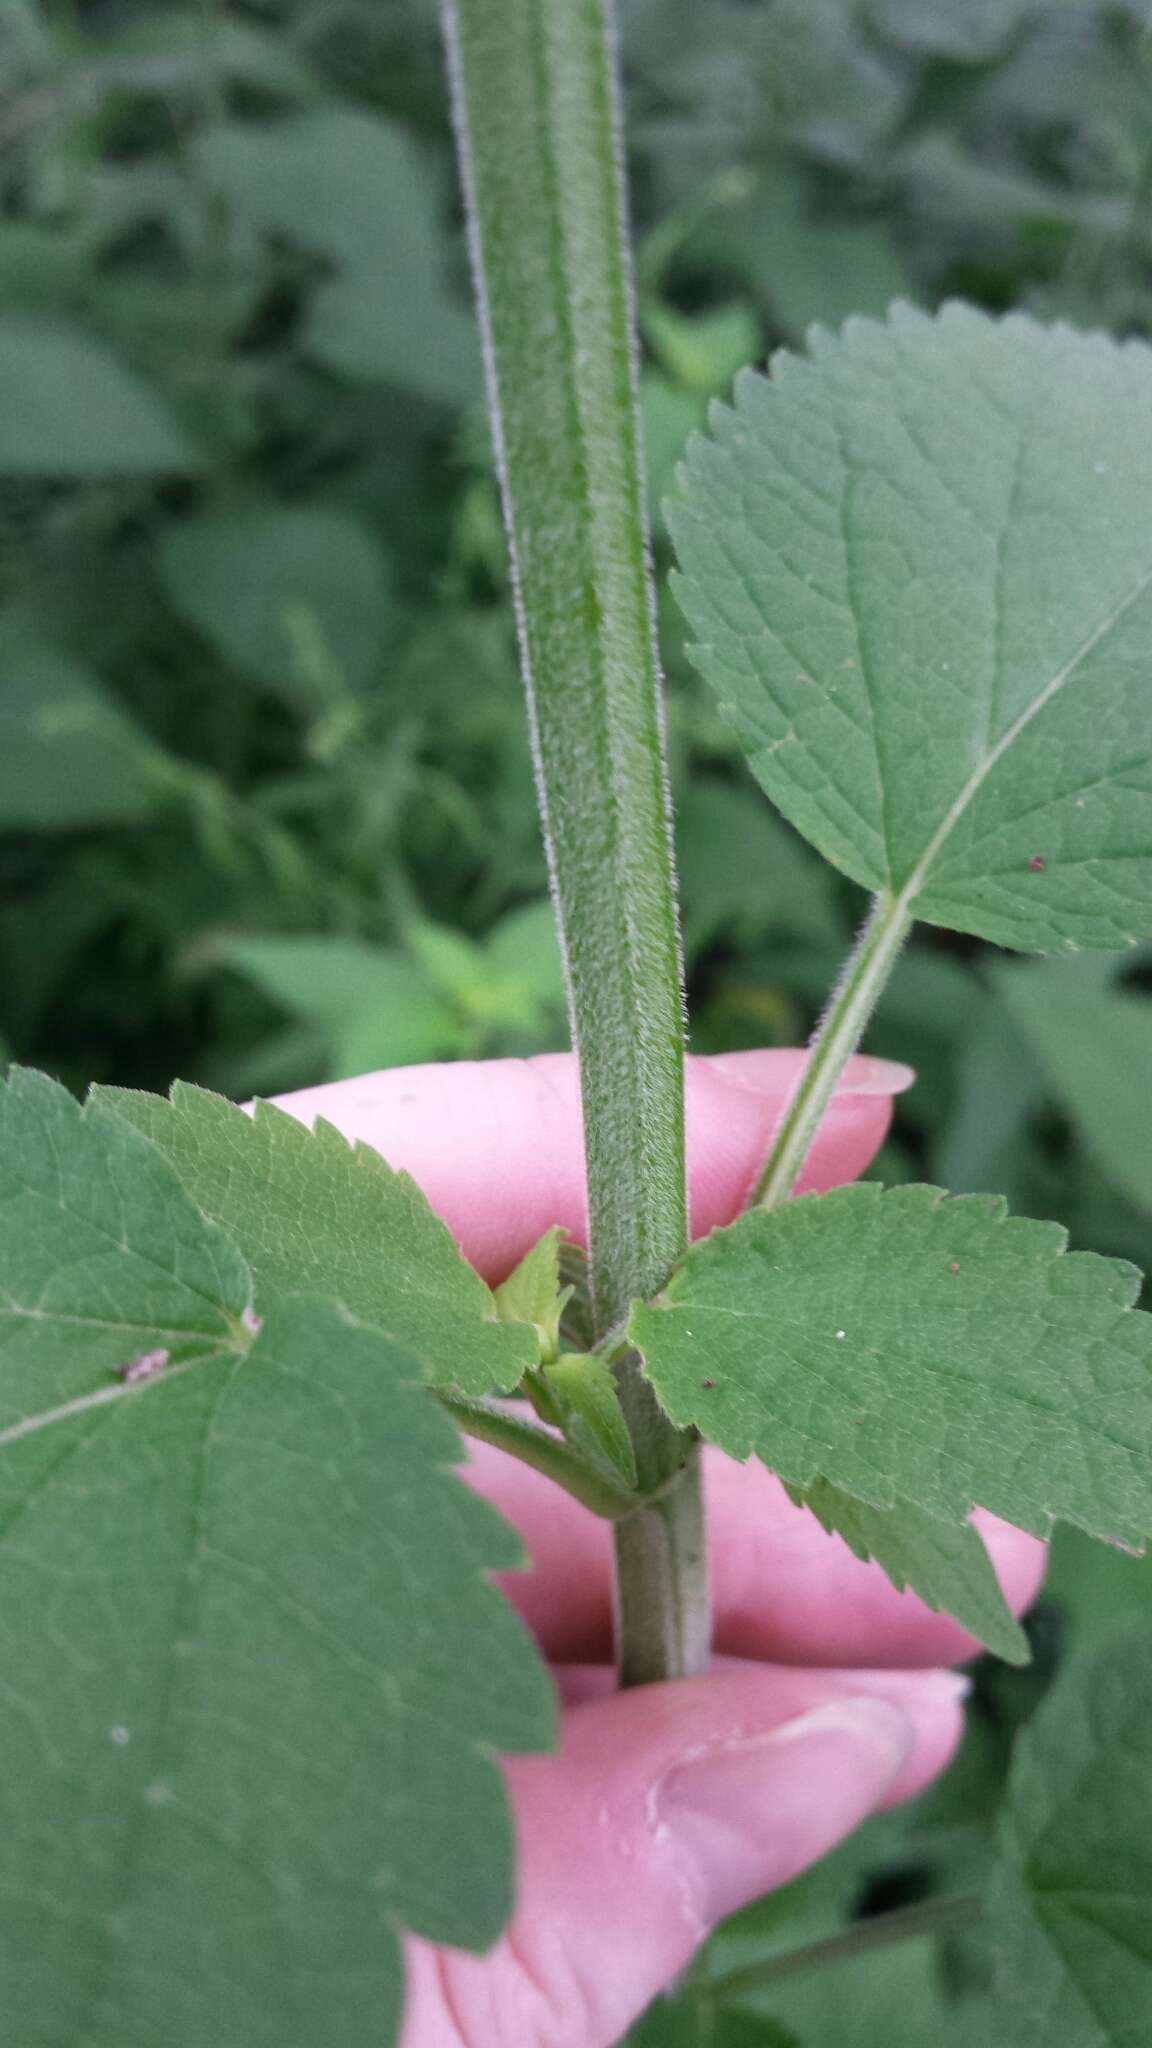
<point>919,568</point>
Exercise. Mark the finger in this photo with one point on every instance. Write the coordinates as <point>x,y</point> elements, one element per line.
<point>497,1146</point>
<point>782,1589</point>
<point>667,1809</point>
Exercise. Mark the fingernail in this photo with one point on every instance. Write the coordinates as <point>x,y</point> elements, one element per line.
<point>751,1815</point>
<point>931,1688</point>
<point>867,1075</point>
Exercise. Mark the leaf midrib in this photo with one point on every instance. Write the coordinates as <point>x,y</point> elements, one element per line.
<point>921,873</point>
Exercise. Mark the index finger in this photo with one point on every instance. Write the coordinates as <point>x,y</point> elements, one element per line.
<point>497,1145</point>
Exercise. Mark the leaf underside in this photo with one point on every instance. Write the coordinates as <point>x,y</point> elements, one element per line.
<point>909,1348</point>
<point>1071,1907</point>
<point>315,1215</point>
<point>919,569</point>
<point>252,1669</point>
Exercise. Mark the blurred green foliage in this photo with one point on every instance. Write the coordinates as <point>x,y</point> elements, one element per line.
<point>266,804</point>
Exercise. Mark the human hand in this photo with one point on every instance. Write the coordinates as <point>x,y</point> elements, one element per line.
<point>670,1806</point>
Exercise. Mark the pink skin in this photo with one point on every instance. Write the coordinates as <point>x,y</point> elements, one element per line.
<point>669,1807</point>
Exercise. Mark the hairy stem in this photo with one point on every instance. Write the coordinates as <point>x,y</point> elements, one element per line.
<point>837,1038</point>
<point>538,133</point>
<point>884,1930</point>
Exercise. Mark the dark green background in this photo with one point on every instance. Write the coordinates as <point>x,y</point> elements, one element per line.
<point>266,811</point>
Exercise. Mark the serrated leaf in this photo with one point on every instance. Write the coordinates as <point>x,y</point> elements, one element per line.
<point>317,1216</point>
<point>256,1674</point>
<point>70,408</point>
<point>297,596</point>
<point>919,565</point>
<point>945,1563</point>
<point>1071,1907</point>
<point>910,1348</point>
<point>102,1255</point>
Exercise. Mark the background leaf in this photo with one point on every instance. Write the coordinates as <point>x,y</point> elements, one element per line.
<point>69,755</point>
<point>374,1006</point>
<point>296,596</point>
<point>1094,1047</point>
<point>919,571</point>
<point>1072,1907</point>
<point>68,408</point>
<point>350,187</point>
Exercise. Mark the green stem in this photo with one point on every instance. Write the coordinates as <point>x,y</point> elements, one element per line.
<point>837,1038</point>
<point>660,1551</point>
<point>538,132</point>
<point>543,1451</point>
<point>905,1923</point>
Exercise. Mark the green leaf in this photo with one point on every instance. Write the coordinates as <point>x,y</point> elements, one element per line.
<point>685,2020</point>
<point>314,1215</point>
<point>1071,1909</point>
<point>534,1293</point>
<point>669,416</point>
<point>869,2001</point>
<point>919,565</point>
<point>296,595</point>
<point>965,31</point>
<point>910,1348</point>
<point>1094,1047</point>
<point>588,1403</point>
<point>179,49</point>
<point>69,408</point>
<point>375,1007</point>
<point>703,351</point>
<point>810,267</point>
<point>352,187</point>
<point>525,976</point>
<point>1094,1588</point>
<point>257,1676</point>
<point>103,1256</point>
<point>944,1562</point>
<point>743,873</point>
<point>69,756</point>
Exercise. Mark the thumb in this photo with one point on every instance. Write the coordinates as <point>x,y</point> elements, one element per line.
<point>667,1809</point>
<point>498,1149</point>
